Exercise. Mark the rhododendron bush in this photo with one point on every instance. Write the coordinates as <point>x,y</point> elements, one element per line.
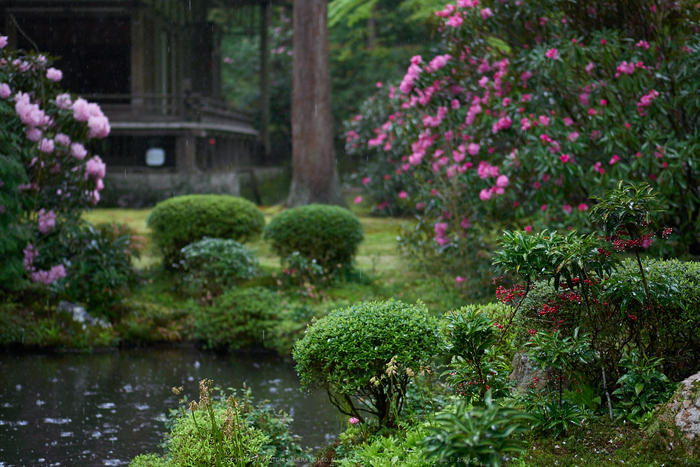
<point>47,176</point>
<point>531,108</point>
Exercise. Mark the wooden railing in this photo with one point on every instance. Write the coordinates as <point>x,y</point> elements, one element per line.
<point>192,107</point>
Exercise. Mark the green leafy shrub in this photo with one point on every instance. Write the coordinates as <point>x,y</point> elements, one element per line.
<point>476,367</point>
<point>674,287</point>
<point>100,273</point>
<point>642,387</point>
<point>239,318</point>
<point>213,264</point>
<point>179,221</point>
<point>476,437</point>
<point>328,234</point>
<point>370,351</point>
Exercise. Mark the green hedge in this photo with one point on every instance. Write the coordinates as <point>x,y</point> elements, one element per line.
<point>179,221</point>
<point>328,234</point>
<point>240,318</point>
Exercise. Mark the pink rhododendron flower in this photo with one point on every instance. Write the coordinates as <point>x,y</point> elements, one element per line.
<point>552,53</point>
<point>473,149</point>
<point>46,146</point>
<point>30,253</point>
<point>486,13</point>
<point>63,140</point>
<point>568,121</point>
<point>63,101</point>
<point>358,200</point>
<point>403,194</point>
<point>459,280</point>
<point>46,220</point>
<point>54,74</point>
<point>643,45</point>
<point>49,277</point>
<point>446,12</point>
<point>590,67</point>
<point>354,421</point>
<point>485,194</point>
<point>528,228</point>
<point>33,134</point>
<point>625,68</point>
<point>439,61</point>
<point>78,151</point>
<point>5,91</point>
<point>465,224</point>
<point>564,158</point>
<point>95,167</point>
<point>99,127</point>
<point>502,181</point>
<point>583,207</point>
<point>573,136</point>
<point>455,21</point>
<point>544,120</point>
<point>567,208</point>
<point>543,207</point>
<point>366,180</point>
<point>454,104</point>
<point>614,159</point>
<point>3,42</point>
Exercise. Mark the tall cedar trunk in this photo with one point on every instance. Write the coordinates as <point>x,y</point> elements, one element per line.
<point>315,176</point>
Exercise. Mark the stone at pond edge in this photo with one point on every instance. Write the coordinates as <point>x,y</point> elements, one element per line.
<point>526,374</point>
<point>678,421</point>
<point>81,316</point>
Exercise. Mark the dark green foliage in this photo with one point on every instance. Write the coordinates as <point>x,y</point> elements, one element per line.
<point>368,350</point>
<point>642,387</point>
<point>213,264</point>
<point>179,221</point>
<point>476,366</point>
<point>482,436</point>
<point>328,234</point>
<point>240,318</point>
<point>100,271</point>
<point>675,289</point>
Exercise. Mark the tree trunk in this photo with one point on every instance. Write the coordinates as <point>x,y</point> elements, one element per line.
<point>315,176</point>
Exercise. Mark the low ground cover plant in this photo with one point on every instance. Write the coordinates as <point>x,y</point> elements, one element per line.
<point>240,318</point>
<point>220,430</point>
<point>211,265</point>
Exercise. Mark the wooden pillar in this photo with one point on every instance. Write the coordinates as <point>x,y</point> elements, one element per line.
<point>138,59</point>
<point>265,20</point>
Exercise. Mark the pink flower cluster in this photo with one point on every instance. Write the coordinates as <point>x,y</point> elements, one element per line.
<point>646,101</point>
<point>43,277</point>
<point>92,114</point>
<point>30,114</point>
<point>46,220</point>
<point>441,233</point>
<point>413,71</point>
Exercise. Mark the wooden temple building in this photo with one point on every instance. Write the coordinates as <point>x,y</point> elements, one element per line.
<point>154,66</point>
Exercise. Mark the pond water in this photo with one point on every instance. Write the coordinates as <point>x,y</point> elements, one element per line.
<point>106,408</point>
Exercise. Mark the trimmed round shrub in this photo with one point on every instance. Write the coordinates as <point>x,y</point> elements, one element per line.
<point>213,264</point>
<point>179,221</point>
<point>370,351</point>
<point>239,318</point>
<point>328,234</point>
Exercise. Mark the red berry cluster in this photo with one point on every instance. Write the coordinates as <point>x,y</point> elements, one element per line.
<point>508,295</point>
